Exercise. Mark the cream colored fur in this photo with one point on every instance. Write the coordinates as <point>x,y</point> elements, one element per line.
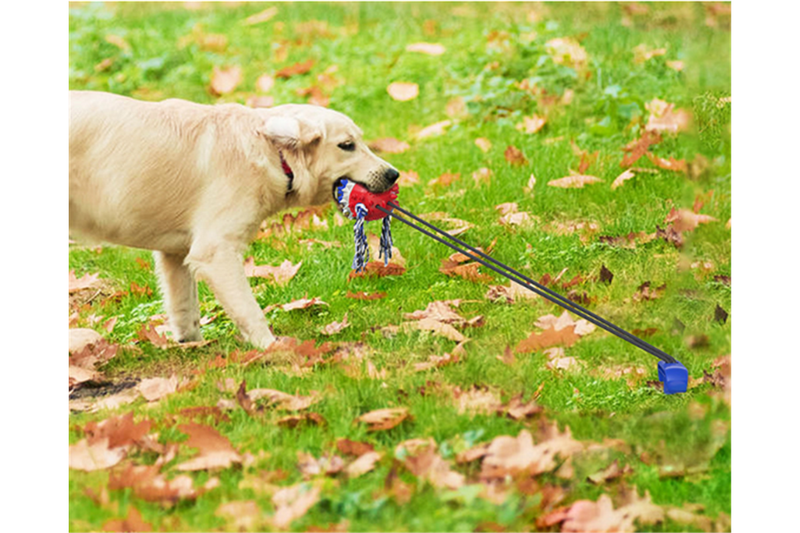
<point>193,182</point>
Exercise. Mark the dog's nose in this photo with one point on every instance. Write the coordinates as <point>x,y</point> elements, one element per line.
<point>391,175</point>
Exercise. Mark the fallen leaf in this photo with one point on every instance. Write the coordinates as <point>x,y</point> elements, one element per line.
<point>224,81</point>
<point>132,522</point>
<point>531,124</point>
<point>484,144</point>
<point>261,16</point>
<point>292,421</point>
<point>81,338</point>
<point>612,471</point>
<point>363,464</point>
<point>335,327</point>
<point>153,389</point>
<point>292,503</point>
<point>639,147</point>
<point>668,164</point>
<point>626,175</point>
<point>408,178</point>
<point>310,466</point>
<point>567,51</point>
<point>431,49</point>
<point>664,117</point>
<point>423,461</point>
<point>445,180</point>
<point>378,270</point>
<point>574,181</point>
<point>440,328</point>
<point>95,456</point>
<point>468,271</point>
<point>477,400</point>
<point>642,53</point>
<point>242,515</point>
<point>549,337</point>
<point>279,275</point>
<point>514,156</point>
<point>403,91</point>
<point>389,145</point>
<point>214,450</point>
<point>283,400</point>
<point>86,281</point>
<point>383,419</point>
<point>686,220</point>
<point>361,295</point>
<point>295,69</point>
<point>434,130</point>
<point>511,293</point>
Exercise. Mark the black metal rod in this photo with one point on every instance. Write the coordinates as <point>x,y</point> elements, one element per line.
<point>529,284</point>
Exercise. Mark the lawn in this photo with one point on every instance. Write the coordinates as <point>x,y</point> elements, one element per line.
<point>586,145</point>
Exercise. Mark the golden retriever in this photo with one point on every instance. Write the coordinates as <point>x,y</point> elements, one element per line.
<point>193,182</point>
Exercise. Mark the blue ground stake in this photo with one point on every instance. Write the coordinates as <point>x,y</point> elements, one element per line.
<point>674,376</point>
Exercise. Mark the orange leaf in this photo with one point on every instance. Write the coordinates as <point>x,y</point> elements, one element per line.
<point>549,337</point>
<point>382,419</point>
<point>515,156</point>
<point>389,145</point>
<point>403,91</point>
<point>295,70</point>
<point>575,181</point>
<point>224,81</point>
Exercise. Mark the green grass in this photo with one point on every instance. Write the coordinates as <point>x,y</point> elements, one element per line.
<point>367,43</point>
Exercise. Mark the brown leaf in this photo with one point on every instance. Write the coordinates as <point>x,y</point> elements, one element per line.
<point>403,91</point>
<point>574,181</point>
<point>431,49</point>
<point>549,337</point>
<point>644,292</point>
<point>468,271</point>
<point>510,293</point>
<point>378,270</point>
<point>148,333</point>
<point>295,70</point>
<point>153,389</point>
<point>605,275</point>
<point>389,145</point>
<point>639,147</point>
<point>425,463</point>
<point>668,164</point>
<point>292,503</point>
<point>620,180</point>
<point>664,117</point>
<point>612,471</point>
<point>383,419</point>
<point>335,327</point>
<point>361,295</point>
<point>95,456</point>
<point>224,81</point>
<point>292,421</point>
<point>132,522</point>
<point>567,51</point>
<point>686,220</point>
<point>484,144</point>
<point>477,400</point>
<point>363,464</point>
<point>215,450</point>
<point>349,447</point>
<point>531,124</point>
<point>310,466</point>
<point>514,156</point>
<point>279,275</point>
<point>283,400</point>
<point>86,281</point>
<point>242,515</point>
<point>440,328</point>
<point>433,130</point>
<point>445,180</point>
<point>261,16</point>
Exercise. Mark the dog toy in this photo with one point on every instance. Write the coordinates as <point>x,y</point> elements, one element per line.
<point>358,204</point>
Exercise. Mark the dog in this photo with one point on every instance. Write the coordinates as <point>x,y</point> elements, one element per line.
<point>193,183</point>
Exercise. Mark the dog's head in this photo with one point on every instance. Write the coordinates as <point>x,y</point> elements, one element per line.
<point>322,146</point>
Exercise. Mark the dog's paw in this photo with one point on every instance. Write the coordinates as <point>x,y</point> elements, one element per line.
<point>263,342</point>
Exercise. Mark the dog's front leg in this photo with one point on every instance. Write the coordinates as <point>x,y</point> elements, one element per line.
<point>220,265</point>
<point>179,289</point>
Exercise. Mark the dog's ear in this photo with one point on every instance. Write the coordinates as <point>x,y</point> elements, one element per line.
<point>290,133</point>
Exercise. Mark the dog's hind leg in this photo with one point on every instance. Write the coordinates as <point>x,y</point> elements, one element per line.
<point>179,289</point>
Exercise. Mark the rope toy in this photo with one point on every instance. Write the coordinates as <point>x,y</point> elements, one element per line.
<point>358,204</point>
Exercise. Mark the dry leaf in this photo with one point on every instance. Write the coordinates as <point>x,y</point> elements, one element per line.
<point>224,81</point>
<point>531,124</point>
<point>433,130</point>
<point>642,53</point>
<point>295,70</point>
<point>483,143</point>
<point>378,269</point>
<point>515,156</point>
<point>678,165</point>
<point>279,275</point>
<point>283,400</point>
<point>408,178</point>
<point>440,328</point>
<point>363,464</point>
<point>482,175</point>
<point>132,522</point>
<point>549,337</point>
<point>620,180</point>
<point>80,338</point>
<point>567,51</point>
<point>403,91</point>
<point>382,419</point>
<point>215,451</point>
<point>664,117</point>
<point>292,503</point>
<point>574,181</point>
<point>264,83</point>
<point>444,180</point>
<point>431,49</point>
<point>261,16</point>
<point>95,456</point>
<point>509,293</point>
<point>335,327</point>
<point>361,295</point>
<point>687,220</point>
<point>84,282</point>
<point>389,145</point>
<point>153,389</point>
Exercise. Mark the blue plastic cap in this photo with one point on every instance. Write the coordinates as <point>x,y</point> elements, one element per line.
<point>675,377</point>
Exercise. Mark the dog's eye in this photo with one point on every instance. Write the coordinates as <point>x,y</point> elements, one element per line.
<point>347,146</point>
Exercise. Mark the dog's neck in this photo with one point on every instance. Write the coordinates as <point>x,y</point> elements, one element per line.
<point>289,174</point>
